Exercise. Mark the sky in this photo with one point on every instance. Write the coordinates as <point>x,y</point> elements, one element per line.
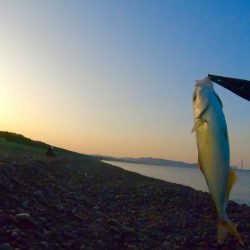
<point>116,77</point>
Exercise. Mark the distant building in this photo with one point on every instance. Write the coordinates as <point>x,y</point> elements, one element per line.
<point>241,164</point>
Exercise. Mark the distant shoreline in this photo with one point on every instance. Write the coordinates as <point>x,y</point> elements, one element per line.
<point>155,161</point>
<point>149,161</point>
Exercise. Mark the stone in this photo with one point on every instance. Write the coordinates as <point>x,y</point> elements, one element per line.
<point>23,217</point>
<point>5,246</point>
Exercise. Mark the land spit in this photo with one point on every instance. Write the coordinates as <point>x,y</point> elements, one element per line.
<point>82,203</point>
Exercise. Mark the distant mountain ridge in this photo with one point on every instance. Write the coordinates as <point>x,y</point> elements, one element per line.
<point>150,161</point>
<point>155,161</point>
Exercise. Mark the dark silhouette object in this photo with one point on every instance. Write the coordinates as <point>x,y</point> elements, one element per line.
<point>238,86</point>
<point>50,151</point>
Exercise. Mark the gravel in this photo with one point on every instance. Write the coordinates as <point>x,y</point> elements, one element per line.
<point>74,203</point>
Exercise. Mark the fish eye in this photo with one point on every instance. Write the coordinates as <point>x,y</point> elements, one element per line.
<point>194,96</point>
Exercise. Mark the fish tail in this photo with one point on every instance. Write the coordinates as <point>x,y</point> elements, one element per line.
<point>225,227</point>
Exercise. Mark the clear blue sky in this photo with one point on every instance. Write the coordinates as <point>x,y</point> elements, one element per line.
<point>116,77</point>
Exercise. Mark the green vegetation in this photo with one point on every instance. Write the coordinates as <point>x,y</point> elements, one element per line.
<point>14,147</point>
<point>20,139</point>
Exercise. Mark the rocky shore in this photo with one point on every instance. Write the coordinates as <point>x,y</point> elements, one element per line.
<point>81,203</point>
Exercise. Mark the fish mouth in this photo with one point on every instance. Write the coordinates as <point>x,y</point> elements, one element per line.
<point>204,82</point>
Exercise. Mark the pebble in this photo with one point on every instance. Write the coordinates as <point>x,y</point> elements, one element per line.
<point>129,212</point>
<point>44,245</point>
<point>167,245</point>
<point>23,217</point>
<point>5,246</point>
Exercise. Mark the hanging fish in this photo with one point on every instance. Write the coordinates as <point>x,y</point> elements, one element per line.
<point>213,153</point>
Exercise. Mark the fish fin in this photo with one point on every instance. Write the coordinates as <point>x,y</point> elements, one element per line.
<point>200,163</point>
<point>197,124</point>
<point>225,227</point>
<point>232,177</point>
<point>203,111</point>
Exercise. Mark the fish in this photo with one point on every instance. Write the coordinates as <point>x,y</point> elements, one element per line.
<point>214,153</point>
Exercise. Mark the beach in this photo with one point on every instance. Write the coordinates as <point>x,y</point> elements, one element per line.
<point>78,202</point>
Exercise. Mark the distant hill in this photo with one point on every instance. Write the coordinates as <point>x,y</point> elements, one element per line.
<point>155,161</point>
<point>150,161</point>
<point>20,139</point>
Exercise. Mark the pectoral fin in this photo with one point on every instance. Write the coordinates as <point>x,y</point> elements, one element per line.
<point>197,124</point>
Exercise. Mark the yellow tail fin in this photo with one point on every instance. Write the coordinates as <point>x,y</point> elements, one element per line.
<point>232,178</point>
<point>224,228</point>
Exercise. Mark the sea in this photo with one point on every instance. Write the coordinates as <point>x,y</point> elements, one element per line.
<point>191,177</point>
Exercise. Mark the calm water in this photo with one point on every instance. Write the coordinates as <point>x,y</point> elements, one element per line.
<point>189,177</point>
